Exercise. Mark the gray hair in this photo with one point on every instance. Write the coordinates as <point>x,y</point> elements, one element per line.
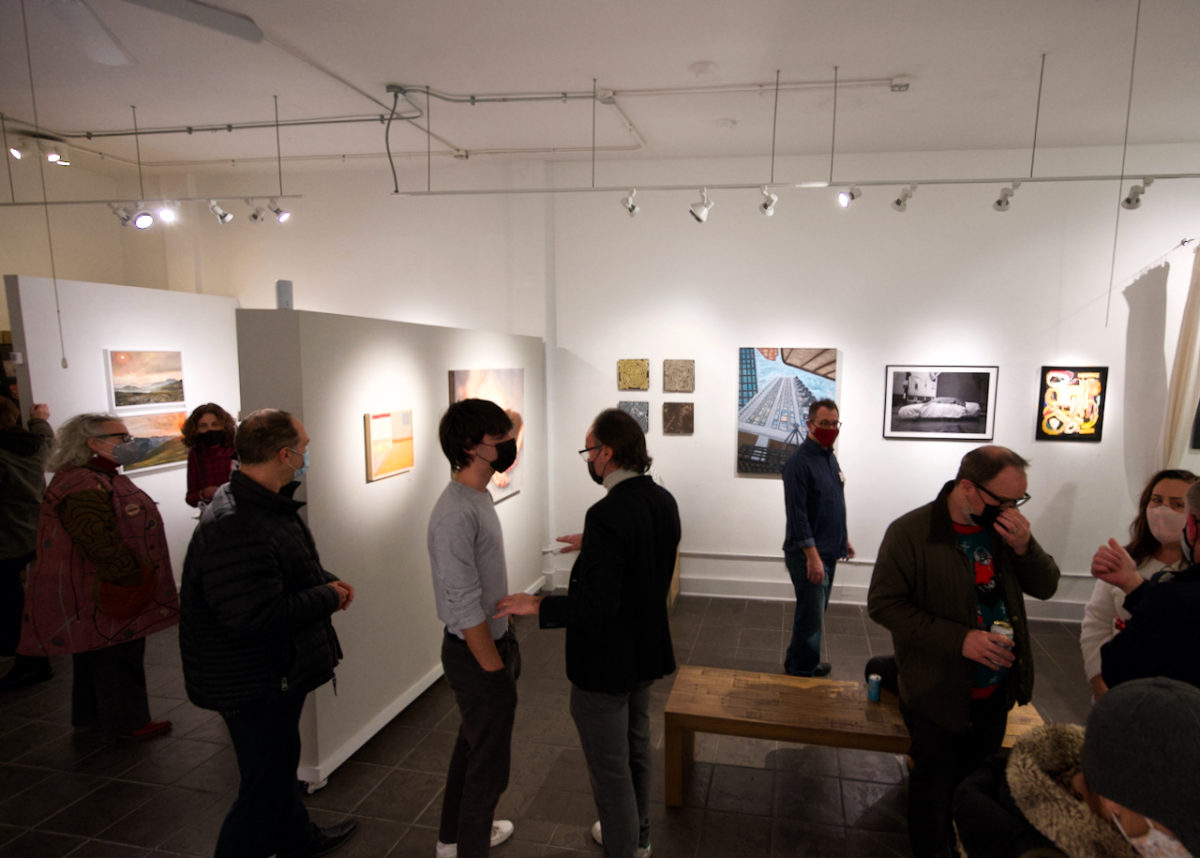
<point>70,442</point>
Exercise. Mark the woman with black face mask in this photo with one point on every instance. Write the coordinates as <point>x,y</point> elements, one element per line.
<point>208,435</point>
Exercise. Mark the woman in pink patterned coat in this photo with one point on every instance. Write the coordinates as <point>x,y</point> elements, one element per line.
<point>101,581</point>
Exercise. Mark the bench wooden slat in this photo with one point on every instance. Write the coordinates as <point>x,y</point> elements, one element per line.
<point>786,708</point>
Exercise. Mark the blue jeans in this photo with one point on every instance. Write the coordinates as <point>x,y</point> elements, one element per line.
<point>614,731</point>
<point>804,651</point>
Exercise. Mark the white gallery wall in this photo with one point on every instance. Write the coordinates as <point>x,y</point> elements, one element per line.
<point>96,317</point>
<point>330,370</point>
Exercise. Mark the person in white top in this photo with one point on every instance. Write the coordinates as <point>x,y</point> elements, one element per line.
<point>1154,546</point>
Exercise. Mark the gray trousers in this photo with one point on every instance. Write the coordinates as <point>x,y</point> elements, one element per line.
<point>614,730</point>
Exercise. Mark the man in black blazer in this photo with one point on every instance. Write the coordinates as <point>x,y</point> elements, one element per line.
<point>615,614</point>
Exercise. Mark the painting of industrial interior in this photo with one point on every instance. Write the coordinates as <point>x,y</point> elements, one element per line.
<point>1071,404</point>
<point>389,442</point>
<point>775,388</point>
<point>159,437</point>
<point>145,378</point>
<point>931,402</point>
<point>506,388</point>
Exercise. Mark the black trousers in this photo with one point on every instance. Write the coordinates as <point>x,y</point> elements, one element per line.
<point>108,688</point>
<point>268,816</point>
<point>941,760</point>
<point>479,765</point>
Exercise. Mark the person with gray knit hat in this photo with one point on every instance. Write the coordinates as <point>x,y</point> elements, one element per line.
<point>1141,755</point>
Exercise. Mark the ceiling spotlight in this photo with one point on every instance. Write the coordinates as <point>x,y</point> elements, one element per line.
<point>1134,200</point>
<point>281,215</point>
<point>767,206</point>
<point>900,204</point>
<point>701,209</point>
<point>55,152</point>
<point>848,196</point>
<point>219,213</point>
<point>629,205</point>
<point>143,219</point>
<point>1003,201</point>
<point>20,148</point>
<point>168,212</point>
<point>122,214</point>
<point>258,215</point>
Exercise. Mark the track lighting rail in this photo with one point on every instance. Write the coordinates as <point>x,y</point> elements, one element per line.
<point>266,198</point>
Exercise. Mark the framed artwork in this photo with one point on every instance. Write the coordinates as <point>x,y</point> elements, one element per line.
<point>633,374</point>
<point>144,378</point>
<point>679,418</point>
<point>160,438</point>
<point>389,443</point>
<point>639,410</point>
<point>955,403</point>
<point>679,376</point>
<point>775,388</point>
<point>506,388</point>
<point>1071,403</point>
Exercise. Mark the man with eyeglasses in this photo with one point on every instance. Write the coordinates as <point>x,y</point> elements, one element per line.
<point>815,538</point>
<point>945,573</point>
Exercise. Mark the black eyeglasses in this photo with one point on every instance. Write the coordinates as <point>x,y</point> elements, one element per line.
<point>827,424</point>
<point>583,454</point>
<point>1002,501</point>
<point>124,436</point>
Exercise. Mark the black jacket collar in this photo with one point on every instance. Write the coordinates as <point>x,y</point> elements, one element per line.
<point>246,490</point>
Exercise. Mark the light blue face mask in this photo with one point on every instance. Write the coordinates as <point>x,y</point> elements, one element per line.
<point>304,467</point>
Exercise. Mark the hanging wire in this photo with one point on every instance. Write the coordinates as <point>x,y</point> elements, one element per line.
<point>1037,114</point>
<point>428,143</point>
<point>774,125</point>
<point>12,191</point>
<point>593,132</point>
<point>1112,265</point>
<point>833,133</point>
<point>278,150</point>
<point>138,148</point>
<point>62,346</point>
<point>387,143</point>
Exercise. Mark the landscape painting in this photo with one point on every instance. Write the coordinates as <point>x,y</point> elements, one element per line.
<point>775,387</point>
<point>389,443</point>
<point>506,388</point>
<point>159,437</point>
<point>145,378</point>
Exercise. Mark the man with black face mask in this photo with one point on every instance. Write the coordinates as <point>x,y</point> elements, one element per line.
<point>946,573</point>
<point>479,653</point>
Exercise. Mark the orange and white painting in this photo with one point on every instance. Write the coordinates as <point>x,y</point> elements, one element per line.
<point>389,442</point>
<point>506,388</point>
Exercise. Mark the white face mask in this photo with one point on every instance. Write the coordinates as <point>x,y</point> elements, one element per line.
<point>1165,523</point>
<point>1155,843</point>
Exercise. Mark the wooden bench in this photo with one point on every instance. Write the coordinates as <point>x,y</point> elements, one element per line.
<point>788,709</point>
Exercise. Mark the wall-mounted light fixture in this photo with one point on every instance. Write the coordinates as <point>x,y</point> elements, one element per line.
<point>848,196</point>
<point>1003,202</point>
<point>1134,199</point>
<point>900,204</point>
<point>767,206</point>
<point>628,204</point>
<point>701,209</point>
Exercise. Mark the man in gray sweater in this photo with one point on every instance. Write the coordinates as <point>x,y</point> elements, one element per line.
<point>479,654</point>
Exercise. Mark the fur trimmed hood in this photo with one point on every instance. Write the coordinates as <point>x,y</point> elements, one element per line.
<point>1036,759</point>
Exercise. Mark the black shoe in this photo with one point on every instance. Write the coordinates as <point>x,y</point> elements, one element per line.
<point>19,677</point>
<point>328,839</point>
<point>822,669</point>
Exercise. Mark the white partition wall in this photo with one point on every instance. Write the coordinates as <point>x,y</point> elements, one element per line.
<point>96,317</point>
<point>330,370</point>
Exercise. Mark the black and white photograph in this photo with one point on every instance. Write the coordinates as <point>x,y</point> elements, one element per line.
<point>950,402</point>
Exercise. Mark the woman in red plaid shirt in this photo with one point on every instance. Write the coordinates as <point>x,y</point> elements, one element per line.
<point>208,435</point>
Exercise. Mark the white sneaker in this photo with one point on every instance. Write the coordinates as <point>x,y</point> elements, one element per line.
<point>598,836</point>
<point>502,829</point>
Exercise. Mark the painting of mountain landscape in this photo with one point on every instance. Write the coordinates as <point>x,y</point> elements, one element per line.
<point>146,378</point>
<point>159,437</point>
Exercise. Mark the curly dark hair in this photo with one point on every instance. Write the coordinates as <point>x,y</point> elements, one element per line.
<point>1142,543</point>
<point>228,425</point>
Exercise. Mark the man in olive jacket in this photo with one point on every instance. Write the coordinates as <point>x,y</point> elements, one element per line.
<point>945,573</point>
<point>255,635</point>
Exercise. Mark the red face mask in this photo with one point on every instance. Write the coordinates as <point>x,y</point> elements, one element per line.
<point>824,436</point>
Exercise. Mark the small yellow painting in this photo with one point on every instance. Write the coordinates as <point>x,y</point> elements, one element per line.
<point>633,374</point>
<point>389,439</point>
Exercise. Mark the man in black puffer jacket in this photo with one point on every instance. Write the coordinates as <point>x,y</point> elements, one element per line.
<point>255,635</point>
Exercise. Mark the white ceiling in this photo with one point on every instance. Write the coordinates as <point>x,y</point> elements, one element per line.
<point>973,67</point>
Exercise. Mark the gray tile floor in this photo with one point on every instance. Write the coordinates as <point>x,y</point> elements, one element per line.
<point>68,794</point>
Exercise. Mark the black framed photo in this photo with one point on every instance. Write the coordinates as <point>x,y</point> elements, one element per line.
<point>956,403</point>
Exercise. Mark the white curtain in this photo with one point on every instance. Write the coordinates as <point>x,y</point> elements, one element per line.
<point>1183,392</point>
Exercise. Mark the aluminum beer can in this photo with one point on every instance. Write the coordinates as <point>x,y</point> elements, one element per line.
<point>874,682</point>
<point>1000,627</point>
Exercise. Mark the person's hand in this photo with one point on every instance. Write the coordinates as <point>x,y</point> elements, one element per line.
<point>1013,529</point>
<point>1112,564</point>
<point>40,411</point>
<point>207,492</point>
<point>573,542</point>
<point>849,550</point>
<point>518,605</point>
<point>345,593</point>
<point>816,567</point>
<point>990,650</point>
